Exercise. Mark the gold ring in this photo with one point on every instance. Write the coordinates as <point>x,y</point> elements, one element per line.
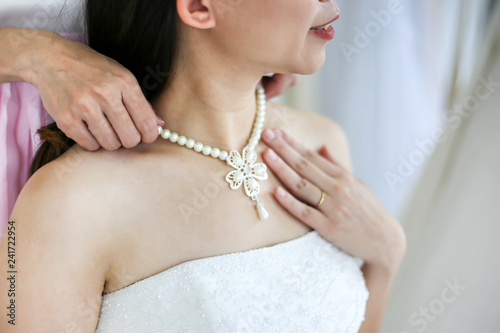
<point>321,200</point>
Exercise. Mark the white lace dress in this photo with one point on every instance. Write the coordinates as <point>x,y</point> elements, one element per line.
<point>302,285</point>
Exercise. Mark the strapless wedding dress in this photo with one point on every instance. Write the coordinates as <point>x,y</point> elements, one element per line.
<point>302,285</point>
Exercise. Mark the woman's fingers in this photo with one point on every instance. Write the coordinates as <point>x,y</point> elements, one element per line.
<point>301,187</point>
<point>326,163</point>
<point>325,152</point>
<point>304,179</point>
<point>306,214</point>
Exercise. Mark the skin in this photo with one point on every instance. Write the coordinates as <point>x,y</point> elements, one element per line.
<point>93,99</point>
<point>94,222</point>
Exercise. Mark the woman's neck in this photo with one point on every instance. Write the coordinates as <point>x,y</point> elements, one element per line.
<point>213,106</point>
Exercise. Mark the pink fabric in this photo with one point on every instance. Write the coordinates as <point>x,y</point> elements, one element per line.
<point>21,115</point>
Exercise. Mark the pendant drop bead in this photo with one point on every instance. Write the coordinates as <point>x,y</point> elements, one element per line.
<point>263,214</point>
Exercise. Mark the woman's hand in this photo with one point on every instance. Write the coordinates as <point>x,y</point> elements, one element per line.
<point>93,99</point>
<point>350,217</point>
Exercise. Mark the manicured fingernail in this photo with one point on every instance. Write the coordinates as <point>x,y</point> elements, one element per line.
<point>279,132</point>
<point>280,192</point>
<point>271,155</point>
<point>161,120</point>
<point>268,135</point>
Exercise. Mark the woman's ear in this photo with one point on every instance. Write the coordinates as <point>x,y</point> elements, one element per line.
<point>197,13</point>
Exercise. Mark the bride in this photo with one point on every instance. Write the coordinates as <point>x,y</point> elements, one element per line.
<point>223,232</point>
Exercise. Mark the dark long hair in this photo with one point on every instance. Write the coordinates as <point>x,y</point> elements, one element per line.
<point>142,36</point>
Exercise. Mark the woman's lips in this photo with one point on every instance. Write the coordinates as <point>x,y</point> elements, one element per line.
<point>327,33</point>
<point>334,19</point>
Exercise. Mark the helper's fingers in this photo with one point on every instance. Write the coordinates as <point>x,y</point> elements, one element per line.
<point>306,214</point>
<point>278,84</point>
<point>101,129</point>
<point>141,112</point>
<point>79,132</point>
<point>123,126</point>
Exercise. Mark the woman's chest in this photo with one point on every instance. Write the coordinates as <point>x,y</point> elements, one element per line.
<point>195,215</point>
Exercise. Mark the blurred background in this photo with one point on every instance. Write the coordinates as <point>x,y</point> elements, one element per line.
<point>388,79</point>
<point>416,87</point>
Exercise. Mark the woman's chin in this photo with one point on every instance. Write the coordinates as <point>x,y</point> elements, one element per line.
<point>307,66</point>
<point>310,67</point>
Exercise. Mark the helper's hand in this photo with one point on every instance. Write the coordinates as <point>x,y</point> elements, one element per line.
<point>93,99</point>
<point>279,83</point>
<point>350,217</point>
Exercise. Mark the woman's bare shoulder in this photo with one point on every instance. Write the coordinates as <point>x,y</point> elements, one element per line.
<point>72,190</point>
<point>313,130</point>
<point>62,249</point>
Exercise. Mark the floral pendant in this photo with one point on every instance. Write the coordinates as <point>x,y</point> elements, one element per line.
<point>246,173</point>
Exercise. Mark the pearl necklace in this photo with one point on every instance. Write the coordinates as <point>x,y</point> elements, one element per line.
<point>247,171</point>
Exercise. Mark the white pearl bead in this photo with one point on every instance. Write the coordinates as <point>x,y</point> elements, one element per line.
<point>198,146</point>
<point>207,150</point>
<point>182,140</point>
<point>258,126</point>
<point>165,134</point>
<point>174,137</point>
<point>190,143</point>
<point>223,155</point>
<point>215,152</point>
